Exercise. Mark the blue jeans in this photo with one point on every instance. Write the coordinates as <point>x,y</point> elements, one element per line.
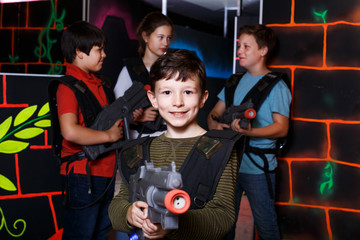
<point>91,222</point>
<point>262,206</point>
<point>122,236</point>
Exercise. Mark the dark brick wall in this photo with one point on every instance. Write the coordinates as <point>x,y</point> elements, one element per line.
<point>30,185</point>
<point>30,34</point>
<point>318,47</point>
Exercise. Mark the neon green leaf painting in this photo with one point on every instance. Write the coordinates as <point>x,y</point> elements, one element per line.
<point>24,115</point>
<point>5,126</point>
<point>3,224</point>
<point>11,146</point>
<point>6,184</point>
<point>29,133</point>
<point>22,131</point>
<point>26,125</point>
<point>43,123</point>
<point>44,109</point>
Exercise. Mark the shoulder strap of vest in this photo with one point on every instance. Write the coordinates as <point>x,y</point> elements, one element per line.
<point>262,88</point>
<point>137,70</point>
<point>230,86</point>
<point>131,156</point>
<point>109,90</point>
<point>87,101</point>
<point>204,165</point>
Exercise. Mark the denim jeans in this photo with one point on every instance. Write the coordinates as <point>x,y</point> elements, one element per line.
<point>122,236</point>
<point>91,222</point>
<point>262,206</point>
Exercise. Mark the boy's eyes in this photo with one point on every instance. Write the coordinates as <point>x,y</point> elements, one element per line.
<point>245,46</point>
<point>187,92</point>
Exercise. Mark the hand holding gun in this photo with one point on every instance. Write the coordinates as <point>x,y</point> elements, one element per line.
<point>160,189</point>
<point>245,112</point>
<point>122,108</point>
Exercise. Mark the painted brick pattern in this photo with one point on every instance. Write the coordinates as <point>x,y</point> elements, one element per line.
<point>318,197</point>
<point>31,204</point>
<point>30,33</point>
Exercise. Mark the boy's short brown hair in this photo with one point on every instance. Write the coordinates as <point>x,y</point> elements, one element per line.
<point>183,62</point>
<point>264,36</point>
<point>81,36</point>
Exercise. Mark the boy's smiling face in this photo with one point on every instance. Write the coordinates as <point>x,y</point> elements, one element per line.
<point>178,103</point>
<point>249,53</point>
<point>92,62</point>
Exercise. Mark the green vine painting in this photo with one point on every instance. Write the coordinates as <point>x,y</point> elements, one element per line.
<point>46,42</point>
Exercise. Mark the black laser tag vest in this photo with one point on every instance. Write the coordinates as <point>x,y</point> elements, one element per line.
<point>139,73</point>
<point>137,70</point>
<point>89,105</point>
<point>201,170</point>
<point>257,94</point>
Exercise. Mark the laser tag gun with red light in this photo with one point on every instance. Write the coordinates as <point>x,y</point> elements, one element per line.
<point>160,189</point>
<point>245,112</point>
<point>122,108</point>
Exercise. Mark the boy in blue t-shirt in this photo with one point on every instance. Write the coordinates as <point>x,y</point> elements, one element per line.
<point>256,44</point>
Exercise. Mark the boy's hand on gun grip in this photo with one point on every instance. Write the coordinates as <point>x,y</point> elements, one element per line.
<point>153,231</point>
<point>217,125</point>
<point>236,127</point>
<point>148,115</point>
<point>116,131</point>
<point>137,114</point>
<point>137,214</point>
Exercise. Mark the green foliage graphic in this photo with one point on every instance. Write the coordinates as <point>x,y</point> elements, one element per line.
<point>6,184</point>
<point>327,184</point>
<point>4,225</point>
<point>26,125</point>
<point>321,15</point>
<point>45,50</point>
<point>13,59</point>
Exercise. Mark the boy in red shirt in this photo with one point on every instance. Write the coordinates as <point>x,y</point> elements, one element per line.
<point>80,96</point>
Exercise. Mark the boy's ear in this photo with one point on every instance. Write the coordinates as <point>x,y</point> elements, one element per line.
<point>204,97</point>
<point>264,51</point>
<point>79,54</point>
<point>152,99</point>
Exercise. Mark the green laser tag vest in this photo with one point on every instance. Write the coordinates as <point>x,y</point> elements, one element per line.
<point>201,170</point>
<point>89,105</point>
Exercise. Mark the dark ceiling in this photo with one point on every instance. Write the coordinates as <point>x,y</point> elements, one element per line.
<point>211,11</point>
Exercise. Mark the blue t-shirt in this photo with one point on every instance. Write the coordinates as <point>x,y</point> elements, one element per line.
<point>278,101</point>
